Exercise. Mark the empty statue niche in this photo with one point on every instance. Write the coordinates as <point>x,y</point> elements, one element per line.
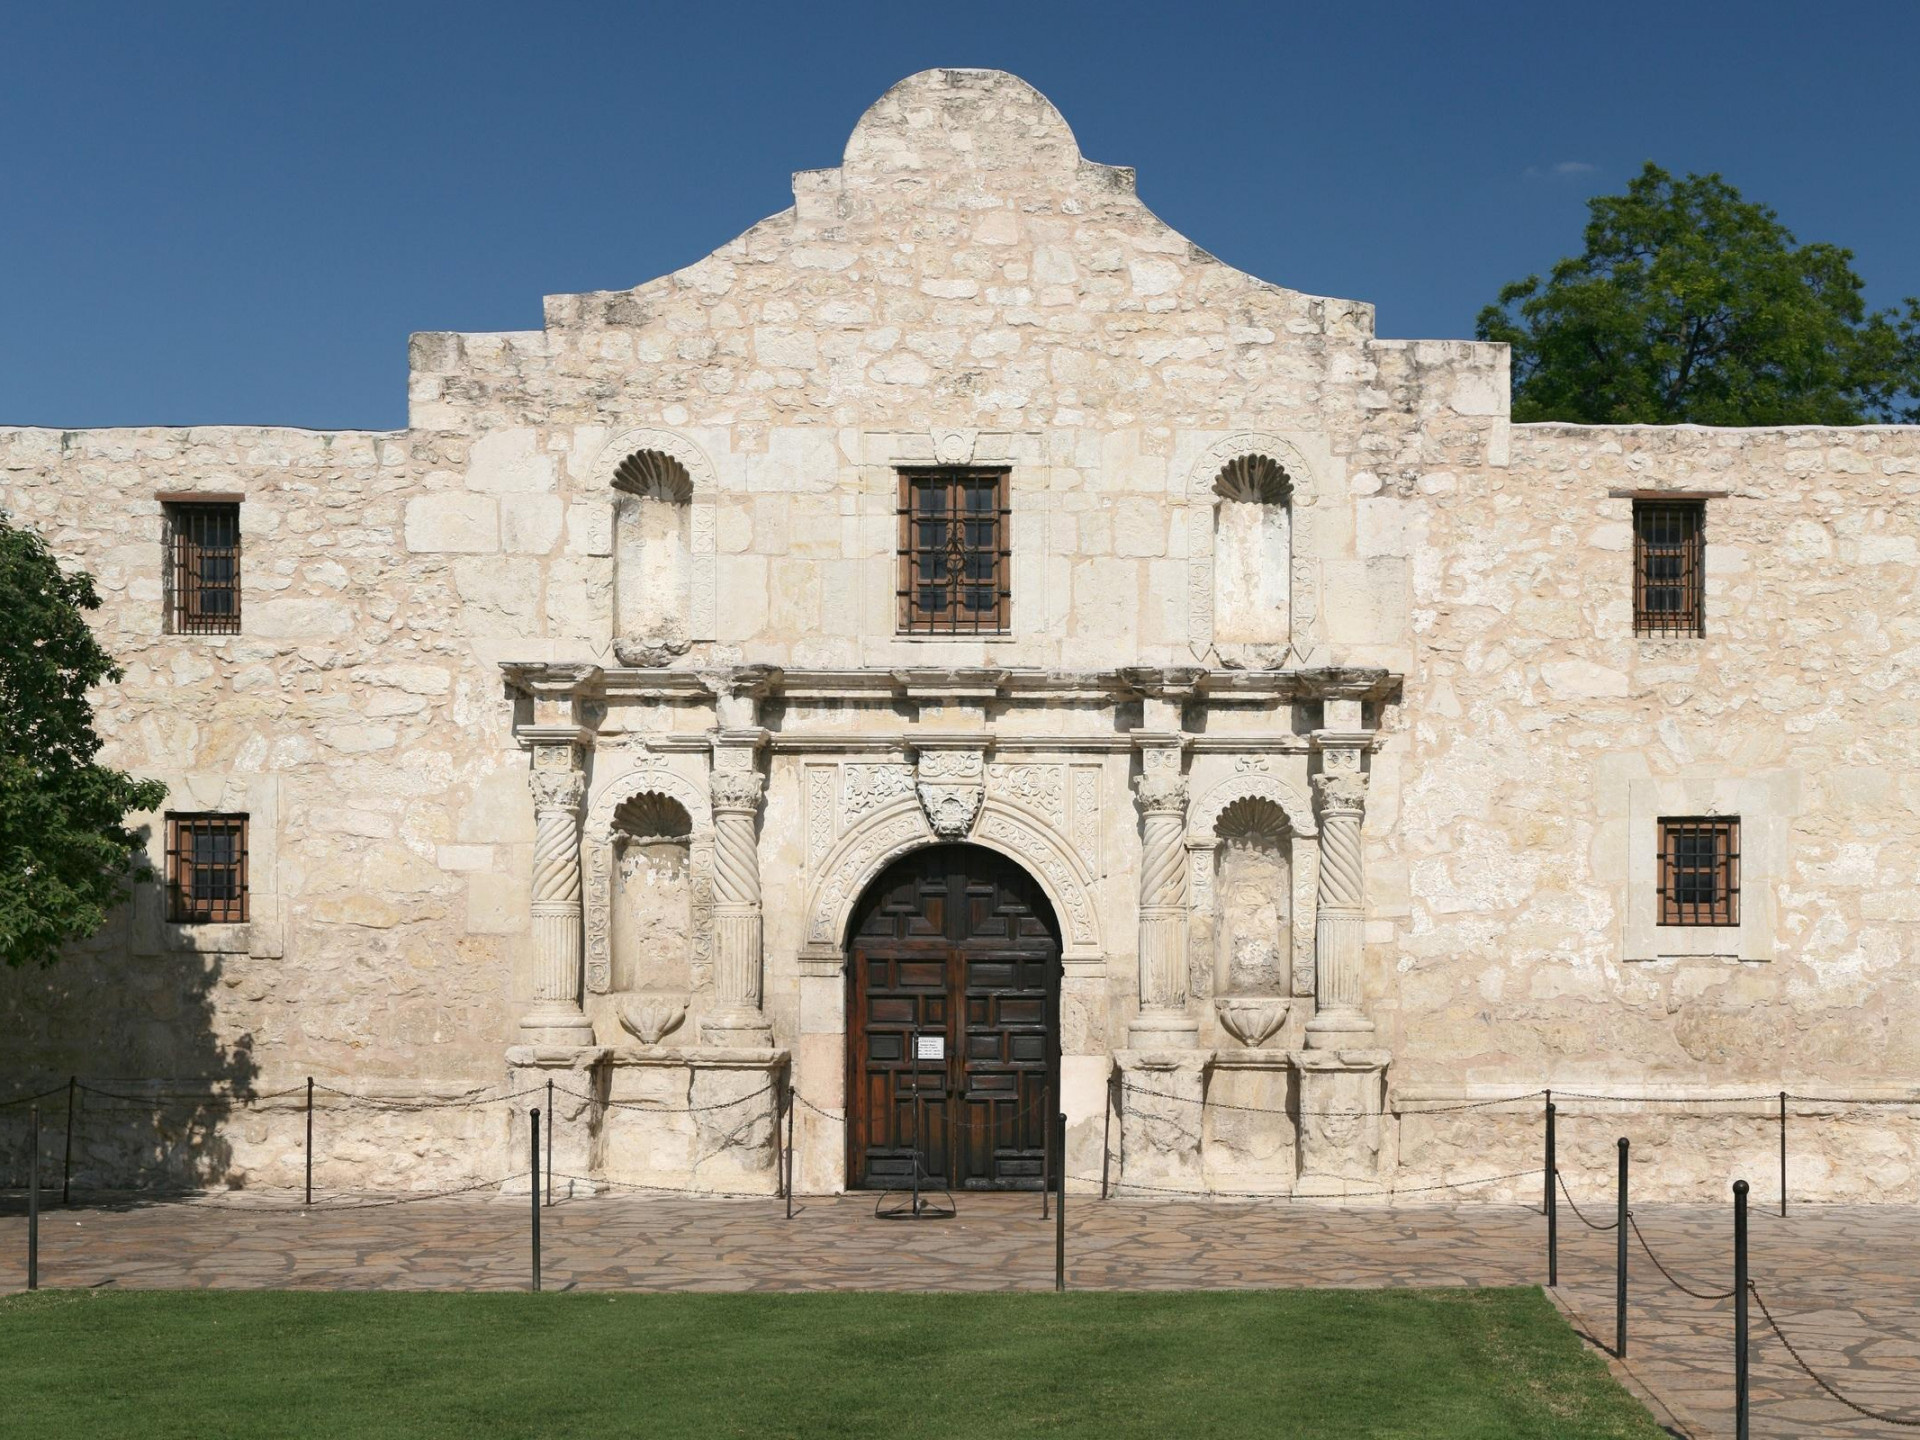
<point>1253,920</point>
<point>652,558</point>
<point>652,931</point>
<point>1252,559</point>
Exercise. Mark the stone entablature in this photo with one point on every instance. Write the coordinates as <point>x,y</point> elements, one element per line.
<point>497,721</point>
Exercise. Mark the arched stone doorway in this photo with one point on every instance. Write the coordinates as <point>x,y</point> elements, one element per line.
<point>955,947</point>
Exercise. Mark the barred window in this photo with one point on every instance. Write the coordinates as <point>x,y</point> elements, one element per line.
<point>953,552</point>
<point>1700,870</point>
<point>1669,538</point>
<point>206,869</point>
<point>203,568</point>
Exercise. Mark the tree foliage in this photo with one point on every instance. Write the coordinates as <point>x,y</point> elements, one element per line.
<point>66,853</point>
<point>1691,304</point>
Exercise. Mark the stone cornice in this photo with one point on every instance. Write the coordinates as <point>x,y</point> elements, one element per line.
<point>553,680</point>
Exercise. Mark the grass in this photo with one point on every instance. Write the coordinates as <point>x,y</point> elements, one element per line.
<point>1433,1364</point>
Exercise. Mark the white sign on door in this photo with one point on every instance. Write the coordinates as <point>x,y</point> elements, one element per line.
<point>930,1047</point>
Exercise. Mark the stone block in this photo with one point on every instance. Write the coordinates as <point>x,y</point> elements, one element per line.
<point>452,524</point>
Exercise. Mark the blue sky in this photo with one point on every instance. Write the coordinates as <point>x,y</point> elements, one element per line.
<point>238,213</point>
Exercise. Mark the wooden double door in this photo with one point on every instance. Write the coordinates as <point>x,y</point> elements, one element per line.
<point>953,1037</point>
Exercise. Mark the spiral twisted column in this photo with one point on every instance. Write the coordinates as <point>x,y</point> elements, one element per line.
<point>736,789</point>
<point>1161,793</point>
<point>555,1017</point>
<point>1339,932</point>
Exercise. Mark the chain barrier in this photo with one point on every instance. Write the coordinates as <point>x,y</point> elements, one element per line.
<point>666,1189</point>
<point>1615,1225</point>
<point>29,1099</point>
<point>647,1108</point>
<point>1211,1104</point>
<point>1031,1108</point>
<point>1126,1187</point>
<point>1672,1279</point>
<point>1853,1405</point>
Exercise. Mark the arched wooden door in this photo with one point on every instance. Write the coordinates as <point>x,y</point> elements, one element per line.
<point>956,947</point>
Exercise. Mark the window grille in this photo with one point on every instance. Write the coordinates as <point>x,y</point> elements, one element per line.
<point>1669,539</point>
<point>203,569</point>
<point>206,869</point>
<point>953,552</point>
<point>1700,871</point>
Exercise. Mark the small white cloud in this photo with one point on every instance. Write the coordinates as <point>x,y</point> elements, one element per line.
<point>1560,169</point>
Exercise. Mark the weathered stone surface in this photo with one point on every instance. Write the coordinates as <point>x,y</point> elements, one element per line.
<point>967,289</point>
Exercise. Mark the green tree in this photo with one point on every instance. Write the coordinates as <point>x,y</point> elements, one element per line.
<point>66,853</point>
<point>1693,304</point>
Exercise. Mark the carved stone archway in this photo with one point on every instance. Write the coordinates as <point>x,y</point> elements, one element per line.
<point>885,834</point>
<point>703,539</point>
<point>652,776</point>
<point>1303,581</point>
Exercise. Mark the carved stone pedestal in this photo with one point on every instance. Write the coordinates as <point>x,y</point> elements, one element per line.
<point>1341,1095</point>
<point>695,1118</point>
<point>578,1075</point>
<point>1161,1120</point>
<point>1250,1140</point>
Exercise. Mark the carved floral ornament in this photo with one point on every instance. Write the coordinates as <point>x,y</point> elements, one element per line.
<point>557,789</point>
<point>1341,791</point>
<point>737,789</point>
<point>951,785</point>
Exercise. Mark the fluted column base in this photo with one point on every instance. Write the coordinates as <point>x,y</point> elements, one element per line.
<point>1338,1022</point>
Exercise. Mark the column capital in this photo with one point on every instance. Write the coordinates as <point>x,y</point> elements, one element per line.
<point>1341,792</point>
<point>736,790</point>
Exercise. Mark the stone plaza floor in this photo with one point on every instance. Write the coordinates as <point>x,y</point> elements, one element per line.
<point>1843,1281</point>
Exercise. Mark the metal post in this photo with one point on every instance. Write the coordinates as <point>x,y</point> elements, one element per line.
<point>66,1165</point>
<point>549,1140</point>
<point>1060,1210</point>
<point>1783,1152</point>
<point>1106,1138</point>
<point>1620,1263</point>
<point>533,1135</point>
<point>1553,1207</point>
<point>309,1141</point>
<point>33,1201</point>
<point>1740,1359</point>
<point>1046,1153</point>
<point>793,1103</point>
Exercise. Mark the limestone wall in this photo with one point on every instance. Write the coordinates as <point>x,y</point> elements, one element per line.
<point>1539,740</point>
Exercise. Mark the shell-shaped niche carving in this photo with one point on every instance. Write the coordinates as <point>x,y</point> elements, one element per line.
<point>652,930</point>
<point>1253,889</point>
<point>1253,558</point>
<point>652,558</point>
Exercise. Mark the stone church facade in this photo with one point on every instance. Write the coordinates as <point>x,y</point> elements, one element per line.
<point>961,650</point>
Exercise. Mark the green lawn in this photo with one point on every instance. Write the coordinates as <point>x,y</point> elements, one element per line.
<point>1432,1364</point>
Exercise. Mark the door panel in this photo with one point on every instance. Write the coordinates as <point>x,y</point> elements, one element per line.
<point>956,945</point>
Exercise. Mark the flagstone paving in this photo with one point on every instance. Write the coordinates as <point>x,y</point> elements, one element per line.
<point>1843,1281</point>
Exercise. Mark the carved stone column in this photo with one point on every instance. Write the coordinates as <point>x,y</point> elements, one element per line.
<point>558,788</point>
<point>737,790</point>
<point>1339,935</point>
<point>1162,796</point>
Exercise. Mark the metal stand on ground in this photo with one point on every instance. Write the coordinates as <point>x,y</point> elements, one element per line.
<point>1740,1375</point>
<point>533,1135</point>
<point>66,1163</point>
<point>918,1207</point>
<point>793,1103</point>
<point>549,1142</point>
<point>309,1139</point>
<point>1553,1206</point>
<point>1060,1208</point>
<point>1620,1263</point>
<point>33,1200</point>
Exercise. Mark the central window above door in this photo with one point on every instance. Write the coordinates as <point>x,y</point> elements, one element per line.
<point>954,552</point>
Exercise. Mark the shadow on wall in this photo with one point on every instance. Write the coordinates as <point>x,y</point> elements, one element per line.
<point>165,1090</point>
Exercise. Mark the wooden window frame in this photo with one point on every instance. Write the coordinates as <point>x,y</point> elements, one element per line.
<point>1681,899</point>
<point>223,898</point>
<point>1669,536</point>
<point>194,606</point>
<point>919,578</point>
